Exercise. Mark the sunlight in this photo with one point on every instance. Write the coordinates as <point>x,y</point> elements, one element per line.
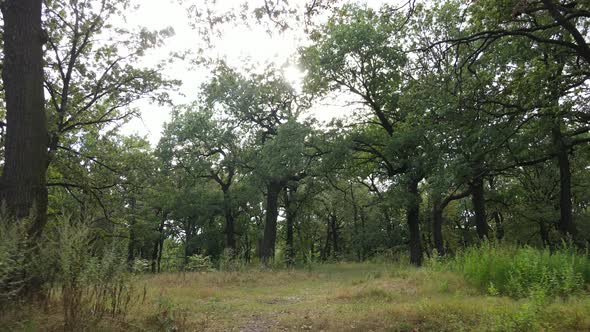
<point>295,76</point>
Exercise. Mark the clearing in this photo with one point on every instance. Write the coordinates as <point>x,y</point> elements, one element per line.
<point>343,297</point>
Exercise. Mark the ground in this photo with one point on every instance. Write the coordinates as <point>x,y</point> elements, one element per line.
<point>346,297</point>
<point>333,297</point>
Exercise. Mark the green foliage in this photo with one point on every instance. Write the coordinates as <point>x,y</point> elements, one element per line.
<point>140,265</point>
<point>229,261</point>
<point>14,249</point>
<point>523,271</point>
<point>199,263</point>
<point>92,281</point>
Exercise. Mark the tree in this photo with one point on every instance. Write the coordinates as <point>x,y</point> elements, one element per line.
<point>207,148</point>
<point>360,50</point>
<point>23,180</point>
<point>556,34</point>
<point>266,108</point>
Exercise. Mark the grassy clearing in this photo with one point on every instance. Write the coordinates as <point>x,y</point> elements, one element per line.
<point>337,297</point>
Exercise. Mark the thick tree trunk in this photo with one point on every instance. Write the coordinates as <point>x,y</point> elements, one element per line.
<point>437,222</point>
<point>413,219</point>
<point>267,251</point>
<point>23,183</point>
<point>479,207</point>
<point>230,231</point>
<point>566,221</point>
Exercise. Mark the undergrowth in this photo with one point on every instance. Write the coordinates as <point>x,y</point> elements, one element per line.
<point>521,272</point>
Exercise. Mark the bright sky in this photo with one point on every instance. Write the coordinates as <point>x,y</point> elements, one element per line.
<point>238,45</point>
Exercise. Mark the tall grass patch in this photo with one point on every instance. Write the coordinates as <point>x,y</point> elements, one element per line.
<point>523,271</point>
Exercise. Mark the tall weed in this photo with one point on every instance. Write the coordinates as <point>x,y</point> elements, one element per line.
<point>14,249</point>
<point>91,281</point>
<point>520,271</point>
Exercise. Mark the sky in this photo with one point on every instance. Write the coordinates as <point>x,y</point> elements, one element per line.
<point>238,45</point>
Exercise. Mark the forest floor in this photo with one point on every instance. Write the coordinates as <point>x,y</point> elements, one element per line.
<point>346,297</point>
<point>332,297</point>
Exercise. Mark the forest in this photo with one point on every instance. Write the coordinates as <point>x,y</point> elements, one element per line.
<point>413,165</point>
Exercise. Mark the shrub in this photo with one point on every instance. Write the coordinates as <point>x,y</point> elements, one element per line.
<point>230,261</point>
<point>140,265</point>
<point>14,248</point>
<point>93,281</point>
<point>519,271</point>
<point>199,263</point>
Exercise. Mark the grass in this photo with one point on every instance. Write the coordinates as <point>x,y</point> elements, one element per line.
<point>522,271</point>
<point>335,297</point>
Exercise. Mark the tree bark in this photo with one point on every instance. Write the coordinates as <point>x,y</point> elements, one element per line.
<point>437,222</point>
<point>267,251</point>
<point>291,215</point>
<point>158,244</point>
<point>327,247</point>
<point>479,207</point>
<point>497,215</point>
<point>23,183</point>
<point>230,231</point>
<point>499,225</point>
<point>566,221</point>
<point>413,219</point>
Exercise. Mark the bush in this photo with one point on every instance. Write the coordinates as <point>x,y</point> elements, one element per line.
<point>521,271</point>
<point>14,249</point>
<point>199,263</point>
<point>141,265</point>
<point>93,281</point>
<point>229,261</point>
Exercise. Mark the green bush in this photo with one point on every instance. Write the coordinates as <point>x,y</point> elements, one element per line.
<point>199,263</point>
<point>91,280</point>
<point>141,265</point>
<point>230,261</point>
<point>520,271</point>
<point>14,249</point>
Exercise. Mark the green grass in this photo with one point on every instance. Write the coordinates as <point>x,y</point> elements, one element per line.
<point>522,272</point>
<point>335,297</point>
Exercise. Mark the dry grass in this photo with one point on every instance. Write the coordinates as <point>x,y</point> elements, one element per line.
<point>338,297</point>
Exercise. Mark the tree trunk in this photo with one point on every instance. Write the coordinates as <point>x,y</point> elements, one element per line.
<point>132,237</point>
<point>437,222</point>
<point>499,225</point>
<point>544,232</point>
<point>363,252</point>
<point>327,248</point>
<point>479,207</point>
<point>291,215</point>
<point>158,244</point>
<point>566,222</point>
<point>230,231</point>
<point>267,251</point>
<point>334,225</point>
<point>355,220</point>
<point>23,183</point>
<point>413,219</point>
<point>497,215</point>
